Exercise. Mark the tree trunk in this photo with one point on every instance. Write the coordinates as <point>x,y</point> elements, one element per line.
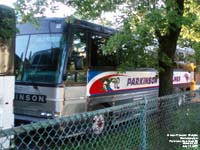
<point>166,61</point>
<point>166,53</point>
<point>165,82</point>
<point>167,49</point>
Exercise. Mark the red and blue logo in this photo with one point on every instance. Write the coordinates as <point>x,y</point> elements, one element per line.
<point>104,83</point>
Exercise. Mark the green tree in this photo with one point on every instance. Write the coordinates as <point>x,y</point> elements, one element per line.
<point>7,24</point>
<point>143,21</point>
<point>7,32</point>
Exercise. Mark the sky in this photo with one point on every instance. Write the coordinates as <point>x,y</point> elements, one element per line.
<point>64,11</point>
<point>68,11</point>
<point>7,2</point>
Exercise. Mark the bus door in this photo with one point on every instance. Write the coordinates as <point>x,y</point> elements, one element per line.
<point>76,71</point>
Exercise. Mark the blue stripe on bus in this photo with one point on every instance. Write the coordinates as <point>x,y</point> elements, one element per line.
<point>92,74</point>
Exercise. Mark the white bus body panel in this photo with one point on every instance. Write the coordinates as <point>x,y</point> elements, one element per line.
<point>103,89</point>
<point>113,82</point>
<point>6,106</point>
<point>117,88</point>
<point>6,101</point>
<point>75,100</point>
<point>59,101</point>
<point>27,108</point>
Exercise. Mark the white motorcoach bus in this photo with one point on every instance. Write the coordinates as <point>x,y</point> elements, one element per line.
<point>7,78</point>
<point>7,85</point>
<point>61,70</point>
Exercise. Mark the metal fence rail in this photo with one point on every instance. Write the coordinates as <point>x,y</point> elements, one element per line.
<point>146,124</point>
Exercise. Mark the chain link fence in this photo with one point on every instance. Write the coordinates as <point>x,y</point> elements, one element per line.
<point>150,124</point>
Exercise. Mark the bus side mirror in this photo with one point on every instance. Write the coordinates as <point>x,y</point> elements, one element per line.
<point>79,63</point>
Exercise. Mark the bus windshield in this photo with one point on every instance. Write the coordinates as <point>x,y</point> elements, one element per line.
<point>38,57</point>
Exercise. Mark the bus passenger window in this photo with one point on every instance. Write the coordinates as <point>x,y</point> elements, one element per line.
<point>76,69</point>
<point>98,58</point>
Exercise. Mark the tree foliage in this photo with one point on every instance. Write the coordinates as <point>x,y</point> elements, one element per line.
<point>143,23</point>
<point>190,34</point>
<point>190,30</point>
<point>7,23</point>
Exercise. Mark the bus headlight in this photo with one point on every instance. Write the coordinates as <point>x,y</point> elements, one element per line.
<point>49,115</point>
<point>46,115</point>
<point>43,114</point>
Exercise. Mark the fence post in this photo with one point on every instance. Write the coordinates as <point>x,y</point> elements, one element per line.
<point>143,125</point>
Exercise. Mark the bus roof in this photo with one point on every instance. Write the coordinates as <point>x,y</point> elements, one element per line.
<point>58,25</point>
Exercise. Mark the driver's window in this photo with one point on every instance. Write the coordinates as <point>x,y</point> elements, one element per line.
<point>76,68</point>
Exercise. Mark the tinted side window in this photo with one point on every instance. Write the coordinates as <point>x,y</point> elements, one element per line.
<point>98,57</point>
